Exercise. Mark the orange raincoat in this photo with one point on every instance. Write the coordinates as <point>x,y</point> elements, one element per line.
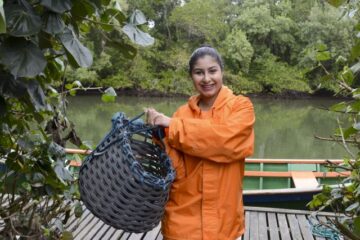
<point>208,151</point>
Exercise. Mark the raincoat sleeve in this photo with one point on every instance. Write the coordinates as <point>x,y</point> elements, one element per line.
<point>227,142</point>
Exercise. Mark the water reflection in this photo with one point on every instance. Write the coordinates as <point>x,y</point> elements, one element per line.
<point>284,128</point>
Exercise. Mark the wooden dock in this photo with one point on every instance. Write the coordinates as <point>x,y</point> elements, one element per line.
<point>261,224</point>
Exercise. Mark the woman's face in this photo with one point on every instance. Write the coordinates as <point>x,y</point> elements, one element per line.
<point>207,77</point>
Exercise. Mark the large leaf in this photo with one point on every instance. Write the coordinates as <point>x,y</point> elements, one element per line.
<point>58,6</point>
<point>113,13</point>
<point>22,58</point>
<point>336,3</point>
<point>355,50</point>
<point>2,18</point>
<point>126,50</point>
<point>37,96</point>
<point>21,19</point>
<point>138,36</point>
<point>356,67</point>
<point>109,95</point>
<point>137,18</point>
<point>11,87</point>
<point>82,9</point>
<point>75,49</point>
<point>323,56</point>
<point>53,23</point>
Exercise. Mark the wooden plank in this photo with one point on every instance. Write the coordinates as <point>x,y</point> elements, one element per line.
<point>305,227</point>
<point>247,225</point>
<point>102,231</point>
<point>81,233</point>
<point>273,226</point>
<point>108,234</point>
<point>304,179</point>
<point>289,174</point>
<point>292,161</point>
<point>118,234</point>
<point>83,223</point>
<point>74,221</point>
<point>160,236</point>
<point>294,227</point>
<point>283,227</point>
<point>151,235</point>
<point>136,236</point>
<point>96,229</point>
<point>254,226</point>
<point>263,229</point>
<point>285,211</point>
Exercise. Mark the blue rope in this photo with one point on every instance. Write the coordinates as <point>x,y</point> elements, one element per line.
<point>321,230</point>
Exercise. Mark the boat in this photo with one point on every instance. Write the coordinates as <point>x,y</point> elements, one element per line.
<point>272,182</point>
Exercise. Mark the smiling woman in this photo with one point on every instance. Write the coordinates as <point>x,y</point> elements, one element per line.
<point>207,140</point>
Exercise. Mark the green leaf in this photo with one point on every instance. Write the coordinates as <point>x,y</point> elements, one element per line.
<point>352,207</point>
<point>137,18</point>
<point>56,5</point>
<point>336,3</point>
<point>338,107</point>
<point>37,96</point>
<point>26,186</point>
<point>67,236</point>
<point>351,130</point>
<point>53,23</point>
<point>78,211</point>
<point>126,50</point>
<point>2,18</point>
<point>82,8</point>
<point>323,56</point>
<point>347,75</point>
<point>109,95</point>
<point>9,86</point>
<point>355,50</point>
<point>23,58</point>
<point>321,47</point>
<point>113,13</point>
<point>72,92</point>
<point>3,107</point>
<point>138,36</point>
<point>21,19</point>
<point>356,227</point>
<point>357,126</point>
<point>73,46</point>
<point>61,172</point>
<point>355,68</point>
<point>69,86</point>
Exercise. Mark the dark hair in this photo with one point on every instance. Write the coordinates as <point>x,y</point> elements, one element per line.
<point>203,51</point>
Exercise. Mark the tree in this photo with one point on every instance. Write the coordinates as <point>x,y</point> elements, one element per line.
<point>199,21</point>
<point>238,52</point>
<point>344,199</point>
<point>39,41</point>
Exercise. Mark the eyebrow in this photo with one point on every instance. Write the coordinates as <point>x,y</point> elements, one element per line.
<point>215,66</point>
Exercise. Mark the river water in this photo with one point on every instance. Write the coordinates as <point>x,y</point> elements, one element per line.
<point>283,129</point>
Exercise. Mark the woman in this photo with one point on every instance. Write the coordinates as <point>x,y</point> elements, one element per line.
<point>207,140</point>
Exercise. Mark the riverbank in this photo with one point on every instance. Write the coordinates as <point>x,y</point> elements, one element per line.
<point>287,94</point>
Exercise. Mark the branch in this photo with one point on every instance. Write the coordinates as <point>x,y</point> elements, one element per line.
<point>344,141</point>
<point>332,139</point>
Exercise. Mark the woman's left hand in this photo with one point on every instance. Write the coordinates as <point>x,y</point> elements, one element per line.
<point>153,117</point>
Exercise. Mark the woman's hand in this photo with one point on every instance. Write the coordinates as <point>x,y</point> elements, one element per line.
<point>153,117</point>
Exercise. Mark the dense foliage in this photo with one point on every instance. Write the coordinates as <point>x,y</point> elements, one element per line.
<point>345,199</point>
<point>267,45</point>
<point>39,41</point>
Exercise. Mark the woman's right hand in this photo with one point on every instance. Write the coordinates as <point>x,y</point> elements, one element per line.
<point>154,117</point>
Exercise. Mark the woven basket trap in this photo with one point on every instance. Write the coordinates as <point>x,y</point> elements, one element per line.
<point>126,180</point>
